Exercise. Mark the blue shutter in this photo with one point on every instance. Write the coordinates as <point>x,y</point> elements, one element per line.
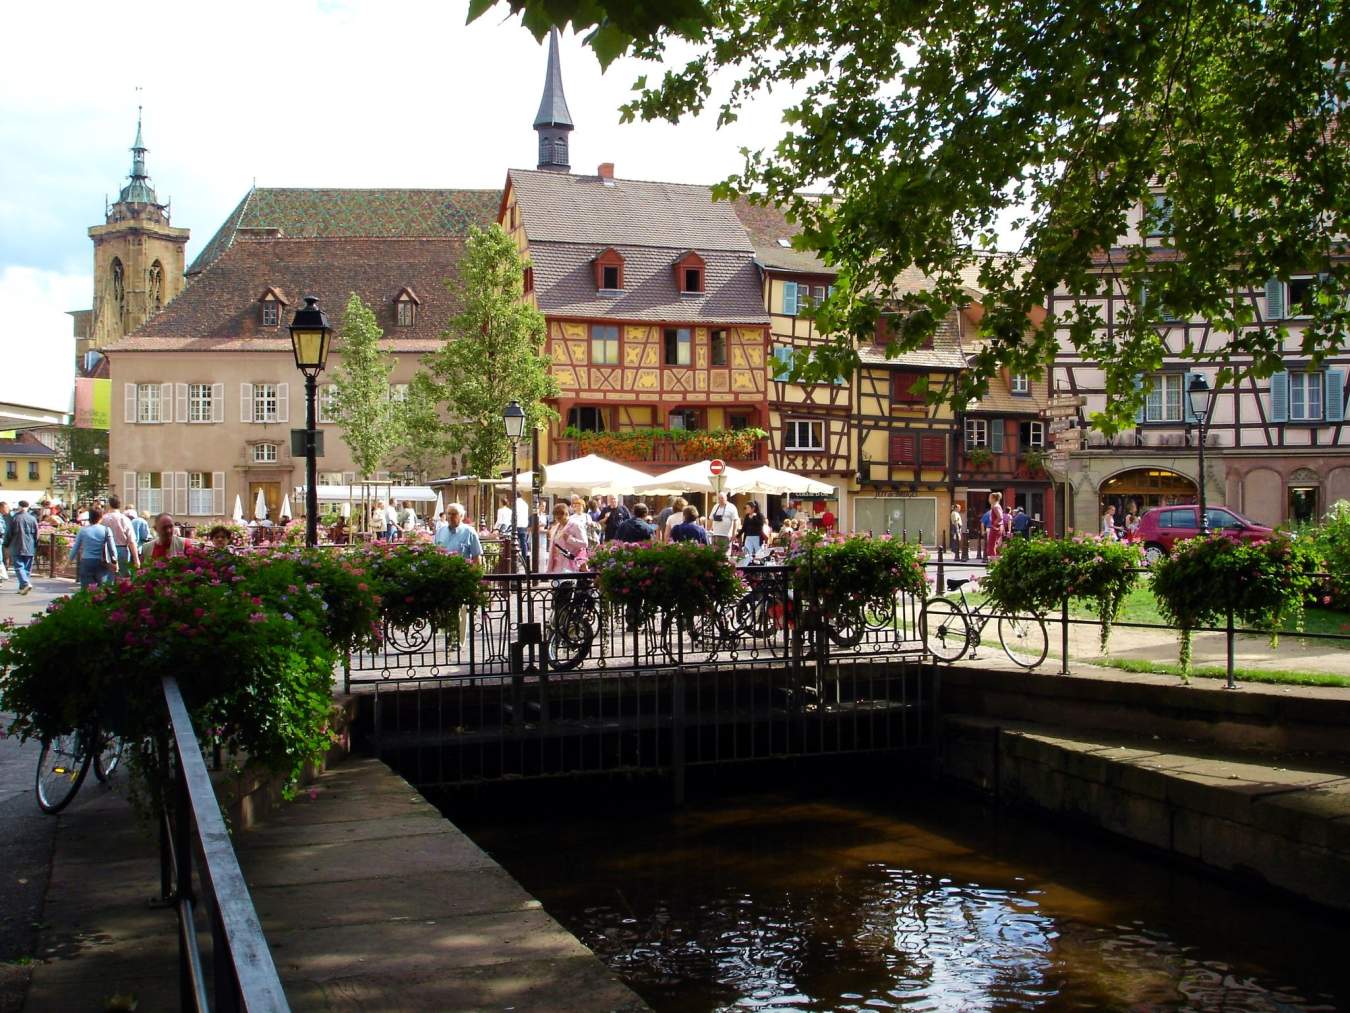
<point>996,435</point>
<point>790,298</point>
<point>1274,299</point>
<point>1140,393</point>
<point>782,362</point>
<point>1334,401</point>
<point>1279,397</point>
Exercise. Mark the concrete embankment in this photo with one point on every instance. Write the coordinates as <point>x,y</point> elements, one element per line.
<point>369,898</point>
<point>1284,822</point>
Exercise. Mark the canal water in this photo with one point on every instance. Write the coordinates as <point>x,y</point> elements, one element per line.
<point>827,898</point>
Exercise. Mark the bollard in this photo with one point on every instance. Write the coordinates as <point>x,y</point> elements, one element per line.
<point>1231,637</point>
<point>940,573</point>
<point>1064,638</point>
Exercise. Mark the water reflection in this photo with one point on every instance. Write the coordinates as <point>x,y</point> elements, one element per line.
<point>779,903</point>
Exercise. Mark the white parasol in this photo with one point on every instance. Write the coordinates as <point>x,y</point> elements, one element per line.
<point>592,476</point>
<point>440,508</point>
<point>260,507</point>
<point>285,507</point>
<point>238,516</point>
<point>689,478</point>
<point>767,481</point>
<point>346,510</point>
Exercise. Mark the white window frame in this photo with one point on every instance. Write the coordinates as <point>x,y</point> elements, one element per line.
<point>1166,398</point>
<point>1306,400</point>
<point>266,402</point>
<point>201,402</point>
<point>271,313</point>
<point>149,403</point>
<point>266,453</point>
<point>684,347</point>
<point>812,429</point>
<point>398,392</point>
<point>201,494</point>
<point>327,398</point>
<point>605,347</point>
<point>149,495</point>
<point>1020,384</point>
<point>977,433</point>
<point>1036,432</point>
<point>407,313</point>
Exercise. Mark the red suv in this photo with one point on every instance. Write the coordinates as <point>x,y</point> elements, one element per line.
<point>1161,527</point>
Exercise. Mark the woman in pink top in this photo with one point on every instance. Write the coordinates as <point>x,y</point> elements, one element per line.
<point>566,542</point>
<point>994,536</point>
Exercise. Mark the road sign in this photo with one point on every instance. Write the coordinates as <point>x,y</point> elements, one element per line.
<point>716,467</point>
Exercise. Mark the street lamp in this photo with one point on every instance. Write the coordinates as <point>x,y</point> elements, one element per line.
<point>1199,394</point>
<point>310,337</point>
<point>513,421</point>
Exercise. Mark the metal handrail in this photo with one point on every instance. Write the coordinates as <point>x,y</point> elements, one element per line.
<point>243,974</point>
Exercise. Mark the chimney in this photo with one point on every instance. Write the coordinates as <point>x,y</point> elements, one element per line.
<point>606,170</point>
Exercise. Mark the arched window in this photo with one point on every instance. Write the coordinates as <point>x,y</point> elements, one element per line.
<point>119,288</point>
<point>155,284</point>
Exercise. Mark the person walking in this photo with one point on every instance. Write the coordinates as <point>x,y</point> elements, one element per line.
<point>637,528</point>
<point>676,516</point>
<point>724,522</point>
<point>688,529</point>
<point>461,539</point>
<point>168,543</point>
<point>1021,523</point>
<point>1109,524</point>
<point>752,530</point>
<point>994,529</point>
<point>613,514</point>
<point>4,531</point>
<point>523,532</point>
<point>141,527</point>
<point>407,519</point>
<point>21,538</point>
<point>94,553</point>
<point>958,528</point>
<point>124,537</point>
<point>390,522</point>
<point>566,542</point>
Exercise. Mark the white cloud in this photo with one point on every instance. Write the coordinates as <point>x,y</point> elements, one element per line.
<point>36,344</point>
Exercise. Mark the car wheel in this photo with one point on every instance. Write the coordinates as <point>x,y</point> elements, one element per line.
<point>1153,553</point>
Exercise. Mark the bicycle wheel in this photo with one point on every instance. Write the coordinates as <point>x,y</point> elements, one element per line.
<point>62,766</point>
<point>848,627</point>
<point>107,758</point>
<point>569,639</point>
<point>753,616</point>
<point>1024,639</point>
<point>944,629</point>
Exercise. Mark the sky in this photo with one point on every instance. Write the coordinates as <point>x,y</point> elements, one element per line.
<point>360,93</point>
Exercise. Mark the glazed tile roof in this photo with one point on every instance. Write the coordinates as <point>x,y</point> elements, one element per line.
<point>328,213</point>
<point>768,227</point>
<point>559,207</point>
<point>219,311</point>
<point>564,285</point>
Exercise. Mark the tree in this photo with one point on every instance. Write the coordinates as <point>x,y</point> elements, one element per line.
<point>370,421</point>
<point>493,353</point>
<point>933,126</point>
<point>424,441</point>
<point>84,450</point>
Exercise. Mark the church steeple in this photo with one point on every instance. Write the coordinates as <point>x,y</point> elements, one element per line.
<point>553,122</point>
<point>139,190</point>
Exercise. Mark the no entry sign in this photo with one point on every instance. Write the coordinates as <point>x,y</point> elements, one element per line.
<point>716,467</point>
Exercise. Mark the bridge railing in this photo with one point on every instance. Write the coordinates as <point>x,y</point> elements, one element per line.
<point>198,863</point>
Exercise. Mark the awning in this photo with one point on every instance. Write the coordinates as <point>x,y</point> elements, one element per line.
<point>356,493</point>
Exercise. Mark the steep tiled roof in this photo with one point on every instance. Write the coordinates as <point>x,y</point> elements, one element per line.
<point>558,207</point>
<point>564,285</point>
<point>769,228</point>
<point>220,312</point>
<point>324,213</point>
<point>945,354</point>
<point>26,448</point>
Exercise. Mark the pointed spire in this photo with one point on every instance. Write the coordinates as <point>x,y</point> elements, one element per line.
<point>553,110</point>
<point>139,190</point>
<point>138,150</point>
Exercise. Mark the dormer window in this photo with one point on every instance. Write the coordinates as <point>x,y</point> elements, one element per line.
<point>406,307</point>
<point>609,271</point>
<point>270,306</point>
<point>689,272</point>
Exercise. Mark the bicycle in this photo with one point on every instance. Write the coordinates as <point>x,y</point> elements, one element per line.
<point>572,625</point>
<point>950,628</point>
<point>64,763</point>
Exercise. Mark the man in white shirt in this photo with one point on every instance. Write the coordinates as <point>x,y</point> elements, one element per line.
<point>722,522</point>
<point>523,530</point>
<point>123,536</point>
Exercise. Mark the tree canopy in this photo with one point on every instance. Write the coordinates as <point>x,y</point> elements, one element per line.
<point>370,421</point>
<point>927,128</point>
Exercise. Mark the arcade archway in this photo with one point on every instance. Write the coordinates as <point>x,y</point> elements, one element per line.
<point>1138,489</point>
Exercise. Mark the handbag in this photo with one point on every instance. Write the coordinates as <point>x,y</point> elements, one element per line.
<point>109,553</point>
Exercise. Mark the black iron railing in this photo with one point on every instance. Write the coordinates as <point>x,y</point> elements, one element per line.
<point>196,853</point>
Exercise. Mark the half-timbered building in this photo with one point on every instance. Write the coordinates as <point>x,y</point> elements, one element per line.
<point>1275,449</point>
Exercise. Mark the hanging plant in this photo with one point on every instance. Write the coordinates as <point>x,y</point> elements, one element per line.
<point>1263,584</point>
<point>683,577</point>
<point>979,457</point>
<point>844,572</point>
<point>1037,575</point>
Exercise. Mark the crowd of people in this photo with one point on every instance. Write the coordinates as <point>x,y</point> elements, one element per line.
<point>995,526</point>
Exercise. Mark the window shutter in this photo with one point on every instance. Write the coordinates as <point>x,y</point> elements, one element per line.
<point>1139,392</point>
<point>129,487</point>
<point>283,402</point>
<point>166,402</point>
<point>1333,404</point>
<point>902,448</point>
<point>246,402</point>
<point>1274,299</point>
<point>217,402</point>
<point>933,449</point>
<point>218,493</point>
<point>996,436</point>
<point>180,397</point>
<point>129,402</point>
<point>1279,397</point>
<point>180,493</point>
<point>790,298</point>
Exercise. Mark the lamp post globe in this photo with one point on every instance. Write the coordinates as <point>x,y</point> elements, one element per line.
<point>1198,393</point>
<point>513,421</point>
<point>311,336</point>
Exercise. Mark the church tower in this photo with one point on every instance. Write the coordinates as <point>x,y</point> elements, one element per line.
<point>553,122</point>
<point>138,257</point>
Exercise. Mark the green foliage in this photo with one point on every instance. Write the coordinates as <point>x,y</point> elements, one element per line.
<point>1332,542</point>
<point>691,444</point>
<point>1037,575</point>
<point>844,573</point>
<point>351,595</point>
<point>425,444</point>
<point>419,581</point>
<point>931,127</point>
<point>84,450</point>
<point>493,354</point>
<point>1264,585</point>
<point>361,405</point>
<point>683,577</point>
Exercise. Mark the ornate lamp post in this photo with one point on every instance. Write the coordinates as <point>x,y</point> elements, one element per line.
<point>513,421</point>
<point>310,338</point>
<point>1199,394</point>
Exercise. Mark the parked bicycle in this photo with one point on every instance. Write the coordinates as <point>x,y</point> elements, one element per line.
<point>65,761</point>
<point>573,624</point>
<point>951,627</point>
